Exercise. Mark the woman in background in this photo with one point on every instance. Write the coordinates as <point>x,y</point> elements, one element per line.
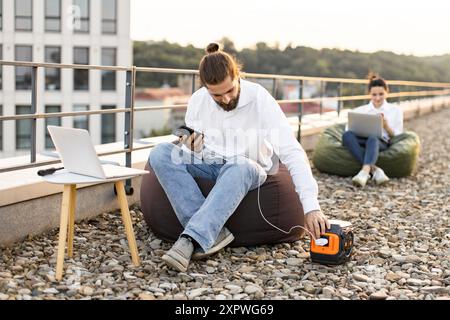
<point>366,150</point>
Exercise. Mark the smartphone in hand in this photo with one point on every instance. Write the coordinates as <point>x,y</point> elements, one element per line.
<point>195,142</point>
<point>183,131</point>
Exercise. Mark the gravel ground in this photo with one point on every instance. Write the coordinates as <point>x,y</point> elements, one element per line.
<point>402,248</point>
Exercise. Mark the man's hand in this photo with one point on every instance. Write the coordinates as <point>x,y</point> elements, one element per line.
<point>194,142</point>
<point>316,222</point>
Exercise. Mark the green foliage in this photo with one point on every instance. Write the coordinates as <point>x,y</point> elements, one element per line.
<point>157,132</point>
<point>291,60</point>
<point>163,55</point>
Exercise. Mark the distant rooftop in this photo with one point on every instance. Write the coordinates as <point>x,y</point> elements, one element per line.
<point>158,93</point>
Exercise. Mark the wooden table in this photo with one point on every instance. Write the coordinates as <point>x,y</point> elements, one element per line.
<point>67,220</point>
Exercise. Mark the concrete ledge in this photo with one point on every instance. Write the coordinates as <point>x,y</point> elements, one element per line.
<point>36,216</point>
<point>30,206</point>
<point>22,185</point>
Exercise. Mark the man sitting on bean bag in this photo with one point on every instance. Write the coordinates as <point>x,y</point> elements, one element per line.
<point>239,126</point>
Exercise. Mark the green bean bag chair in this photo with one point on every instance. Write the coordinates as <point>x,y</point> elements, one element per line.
<point>399,160</point>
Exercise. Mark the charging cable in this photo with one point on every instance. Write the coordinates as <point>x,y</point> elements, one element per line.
<point>319,242</point>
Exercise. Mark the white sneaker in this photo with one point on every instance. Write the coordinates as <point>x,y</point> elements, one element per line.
<point>379,176</point>
<point>361,178</point>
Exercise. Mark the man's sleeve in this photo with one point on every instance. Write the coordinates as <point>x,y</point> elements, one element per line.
<point>290,152</point>
<point>193,121</point>
<point>191,117</point>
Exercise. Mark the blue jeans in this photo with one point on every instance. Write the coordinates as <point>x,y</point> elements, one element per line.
<point>365,150</point>
<point>203,218</point>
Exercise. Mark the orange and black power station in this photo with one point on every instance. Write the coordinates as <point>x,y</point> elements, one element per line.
<point>339,247</point>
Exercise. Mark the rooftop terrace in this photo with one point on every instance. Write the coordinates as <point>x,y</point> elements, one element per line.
<point>402,248</point>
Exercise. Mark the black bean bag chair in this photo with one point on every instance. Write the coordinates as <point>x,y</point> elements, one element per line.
<point>280,205</point>
<point>399,160</point>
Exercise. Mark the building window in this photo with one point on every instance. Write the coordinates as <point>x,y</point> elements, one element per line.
<point>81,76</point>
<point>82,16</point>
<point>109,16</point>
<point>51,122</point>
<point>1,14</point>
<point>1,129</point>
<point>108,126</point>
<point>1,67</point>
<point>81,122</point>
<point>53,15</point>
<point>108,77</point>
<point>23,129</point>
<point>23,74</point>
<point>24,15</point>
<point>53,75</point>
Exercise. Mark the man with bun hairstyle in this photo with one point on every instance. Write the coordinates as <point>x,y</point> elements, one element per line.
<point>239,130</point>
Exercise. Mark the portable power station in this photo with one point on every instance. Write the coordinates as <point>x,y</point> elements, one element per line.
<point>339,244</point>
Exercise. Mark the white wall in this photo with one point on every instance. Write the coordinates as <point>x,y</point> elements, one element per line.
<point>145,121</point>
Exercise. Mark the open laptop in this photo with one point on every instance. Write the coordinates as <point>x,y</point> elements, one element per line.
<point>78,155</point>
<point>364,125</point>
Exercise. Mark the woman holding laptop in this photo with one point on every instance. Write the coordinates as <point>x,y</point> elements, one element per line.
<point>366,150</point>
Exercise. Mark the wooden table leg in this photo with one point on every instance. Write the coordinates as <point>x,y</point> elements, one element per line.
<point>72,206</point>
<point>126,218</point>
<point>65,207</point>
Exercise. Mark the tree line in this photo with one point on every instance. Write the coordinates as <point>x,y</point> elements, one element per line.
<point>299,60</point>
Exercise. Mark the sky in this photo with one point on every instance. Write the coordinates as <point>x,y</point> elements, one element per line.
<point>416,27</point>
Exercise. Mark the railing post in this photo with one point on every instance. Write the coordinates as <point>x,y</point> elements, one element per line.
<point>274,88</point>
<point>193,83</point>
<point>350,93</point>
<point>321,96</point>
<point>33,111</point>
<point>128,134</point>
<point>340,102</point>
<point>300,111</point>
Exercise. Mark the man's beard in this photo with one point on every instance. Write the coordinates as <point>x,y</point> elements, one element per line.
<point>230,105</point>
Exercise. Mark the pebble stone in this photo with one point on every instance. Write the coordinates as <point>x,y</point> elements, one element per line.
<point>401,250</point>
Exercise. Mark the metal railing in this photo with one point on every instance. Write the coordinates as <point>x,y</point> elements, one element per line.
<point>129,108</point>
